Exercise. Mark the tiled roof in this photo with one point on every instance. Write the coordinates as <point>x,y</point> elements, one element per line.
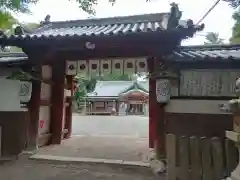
<point>135,86</point>
<point>218,52</point>
<point>6,57</point>
<point>184,53</point>
<point>103,26</point>
<point>112,88</point>
<point>150,24</point>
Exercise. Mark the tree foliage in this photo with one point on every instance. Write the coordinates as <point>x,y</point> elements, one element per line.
<point>8,6</point>
<point>16,5</point>
<point>236,28</point>
<point>233,3</point>
<point>213,38</point>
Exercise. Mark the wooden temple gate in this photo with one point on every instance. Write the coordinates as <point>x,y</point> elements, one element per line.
<point>94,44</point>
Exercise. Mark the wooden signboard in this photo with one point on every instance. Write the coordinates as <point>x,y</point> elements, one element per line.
<point>208,82</point>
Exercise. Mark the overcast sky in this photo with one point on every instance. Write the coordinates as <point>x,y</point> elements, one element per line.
<point>219,20</point>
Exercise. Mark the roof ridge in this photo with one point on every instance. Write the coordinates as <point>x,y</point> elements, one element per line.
<point>13,54</point>
<point>151,17</point>
<point>210,47</point>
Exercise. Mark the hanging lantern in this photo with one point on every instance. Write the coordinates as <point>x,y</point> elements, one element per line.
<point>25,91</point>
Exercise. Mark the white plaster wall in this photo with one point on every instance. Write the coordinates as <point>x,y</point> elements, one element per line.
<point>44,111</point>
<point>9,99</point>
<point>195,106</point>
<point>44,114</point>
<point>46,72</point>
<point>45,91</point>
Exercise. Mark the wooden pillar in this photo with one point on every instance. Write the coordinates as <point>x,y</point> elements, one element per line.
<point>70,85</point>
<point>156,115</point>
<point>58,78</point>
<point>34,107</point>
<point>152,104</point>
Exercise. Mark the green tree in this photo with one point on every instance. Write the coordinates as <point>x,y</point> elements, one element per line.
<point>9,6</point>
<point>84,85</point>
<point>235,39</point>
<point>213,38</point>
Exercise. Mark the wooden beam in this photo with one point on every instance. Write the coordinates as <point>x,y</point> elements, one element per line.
<point>152,102</point>
<point>58,78</point>
<point>111,52</point>
<point>157,128</point>
<point>70,83</point>
<point>33,124</point>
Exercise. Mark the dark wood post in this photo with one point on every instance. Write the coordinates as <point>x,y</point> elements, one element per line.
<point>152,104</point>
<point>34,108</point>
<point>70,85</point>
<point>156,115</point>
<point>58,78</point>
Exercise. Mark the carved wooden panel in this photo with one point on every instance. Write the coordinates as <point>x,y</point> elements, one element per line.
<point>208,82</point>
<point>94,67</point>
<point>71,67</point>
<point>141,65</point>
<point>129,66</point>
<point>117,66</point>
<point>83,67</point>
<point>105,66</point>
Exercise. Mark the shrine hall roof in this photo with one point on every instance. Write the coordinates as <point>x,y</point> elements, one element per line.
<point>114,88</point>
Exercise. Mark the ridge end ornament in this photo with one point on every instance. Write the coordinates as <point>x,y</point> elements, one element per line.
<point>90,45</point>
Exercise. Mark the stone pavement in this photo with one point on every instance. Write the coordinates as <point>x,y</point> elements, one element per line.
<point>101,147</point>
<point>25,169</point>
<point>133,126</point>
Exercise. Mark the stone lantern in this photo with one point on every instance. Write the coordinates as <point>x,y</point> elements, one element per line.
<point>234,107</point>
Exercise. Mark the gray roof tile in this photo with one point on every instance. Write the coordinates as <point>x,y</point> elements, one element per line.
<point>6,57</point>
<point>104,26</point>
<point>112,88</point>
<point>220,52</point>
